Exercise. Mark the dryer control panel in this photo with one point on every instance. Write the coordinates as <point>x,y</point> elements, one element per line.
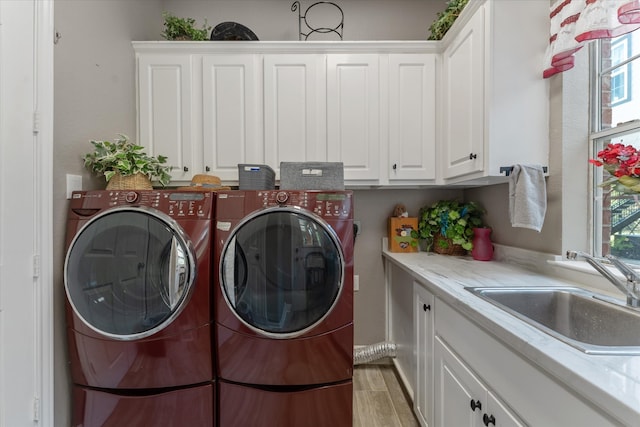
<point>175,203</point>
<point>326,204</point>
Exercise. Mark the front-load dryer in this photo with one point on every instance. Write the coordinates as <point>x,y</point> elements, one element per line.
<point>137,279</point>
<point>284,308</point>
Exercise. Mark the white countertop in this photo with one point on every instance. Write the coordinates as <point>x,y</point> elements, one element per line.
<point>611,382</point>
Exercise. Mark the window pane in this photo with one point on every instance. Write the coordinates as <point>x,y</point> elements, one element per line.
<point>618,208</point>
<point>618,101</point>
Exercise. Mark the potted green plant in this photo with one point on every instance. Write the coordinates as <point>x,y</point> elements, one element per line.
<point>448,226</point>
<point>176,28</point>
<point>445,19</point>
<point>121,159</point>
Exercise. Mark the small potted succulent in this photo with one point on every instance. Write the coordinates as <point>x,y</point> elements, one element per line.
<point>125,165</point>
<point>176,28</point>
<point>448,225</point>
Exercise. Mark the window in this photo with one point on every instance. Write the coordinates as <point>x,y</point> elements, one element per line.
<point>615,119</point>
<point>621,74</point>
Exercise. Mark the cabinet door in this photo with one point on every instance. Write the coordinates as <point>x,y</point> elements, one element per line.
<point>463,100</point>
<point>294,108</point>
<point>231,104</point>
<point>459,396</point>
<point>412,117</point>
<point>423,309</point>
<point>353,115</point>
<point>499,415</point>
<point>165,111</point>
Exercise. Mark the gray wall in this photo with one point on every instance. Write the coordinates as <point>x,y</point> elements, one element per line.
<point>274,20</point>
<point>95,99</point>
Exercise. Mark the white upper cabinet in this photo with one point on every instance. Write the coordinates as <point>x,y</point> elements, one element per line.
<point>294,108</point>
<point>412,118</point>
<point>165,110</point>
<point>353,115</point>
<point>463,100</point>
<point>231,113</point>
<point>495,101</point>
<point>394,113</point>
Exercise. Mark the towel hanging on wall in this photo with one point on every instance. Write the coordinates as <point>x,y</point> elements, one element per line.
<point>527,196</point>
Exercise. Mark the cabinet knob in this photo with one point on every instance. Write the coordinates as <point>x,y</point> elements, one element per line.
<point>207,169</point>
<point>395,166</point>
<point>472,156</point>
<point>475,404</point>
<point>186,169</point>
<point>426,307</point>
<point>488,419</point>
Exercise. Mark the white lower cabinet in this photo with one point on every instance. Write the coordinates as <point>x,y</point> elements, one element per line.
<point>462,399</point>
<point>481,381</point>
<point>423,316</point>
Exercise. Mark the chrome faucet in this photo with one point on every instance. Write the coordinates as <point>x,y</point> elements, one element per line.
<point>631,288</point>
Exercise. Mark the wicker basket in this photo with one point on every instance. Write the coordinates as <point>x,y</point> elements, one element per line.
<point>129,182</point>
<point>444,246</point>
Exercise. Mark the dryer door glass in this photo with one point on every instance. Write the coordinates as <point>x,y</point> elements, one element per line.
<point>282,271</point>
<point>128,273</point>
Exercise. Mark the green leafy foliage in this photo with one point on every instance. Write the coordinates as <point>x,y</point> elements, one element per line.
<point>452,219</point>
<point>445,19</point>
<point>183,28</point>
<point>125,158</point>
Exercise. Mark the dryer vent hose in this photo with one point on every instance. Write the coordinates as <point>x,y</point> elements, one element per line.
<point>373,352</point>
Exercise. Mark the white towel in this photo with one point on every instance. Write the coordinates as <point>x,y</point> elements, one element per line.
<point>527,197</point>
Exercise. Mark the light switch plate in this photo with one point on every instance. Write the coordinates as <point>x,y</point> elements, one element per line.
<point>74,183</point>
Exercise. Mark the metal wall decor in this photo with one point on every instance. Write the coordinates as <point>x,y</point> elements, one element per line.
<point>319,30</point>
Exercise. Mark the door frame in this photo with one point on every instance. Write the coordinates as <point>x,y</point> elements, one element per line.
<point>26,115</point>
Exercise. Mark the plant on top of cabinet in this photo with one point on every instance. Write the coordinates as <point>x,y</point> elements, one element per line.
<point>445,19</point>
<point>125,166</point>
<point>184,28</point>
<point>448,225</point>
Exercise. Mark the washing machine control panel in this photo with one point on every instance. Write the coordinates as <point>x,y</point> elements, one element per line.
<point>327,204</point>
<point>175,203</point>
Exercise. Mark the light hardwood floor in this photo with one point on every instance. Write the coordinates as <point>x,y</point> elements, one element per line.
<point>378,398</point>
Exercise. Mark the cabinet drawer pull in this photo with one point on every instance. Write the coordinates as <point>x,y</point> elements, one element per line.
<point>472,156</point>
<point>207,169</point>
<point>475,404</point>
<point>395,166</point>
<point>186,169</point>
<point>426,307</point>
<point>488,419</point>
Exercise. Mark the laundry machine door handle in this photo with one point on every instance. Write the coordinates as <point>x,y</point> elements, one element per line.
<point>177,274</point>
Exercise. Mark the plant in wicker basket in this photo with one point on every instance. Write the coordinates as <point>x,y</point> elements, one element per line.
<point>448,226</point>
<point>125,165</point>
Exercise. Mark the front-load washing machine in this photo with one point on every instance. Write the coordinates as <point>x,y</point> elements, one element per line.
<point>137,279</point>
<point>284,308</point>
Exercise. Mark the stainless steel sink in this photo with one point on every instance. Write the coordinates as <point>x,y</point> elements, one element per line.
<point>582,319</point>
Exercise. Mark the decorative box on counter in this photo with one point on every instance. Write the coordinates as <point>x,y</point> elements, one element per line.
<point>400,239</point>
<point>256,177</point>
<point>311,176</point>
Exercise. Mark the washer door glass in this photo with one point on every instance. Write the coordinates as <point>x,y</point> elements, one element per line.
<point>129,272</point>
<point>282,271</point>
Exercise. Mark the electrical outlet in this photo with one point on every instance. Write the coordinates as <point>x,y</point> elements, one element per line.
<point>74,183</point>
<point>356,283</point>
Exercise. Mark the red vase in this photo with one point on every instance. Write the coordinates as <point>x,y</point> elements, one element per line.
<point>482,246</point>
